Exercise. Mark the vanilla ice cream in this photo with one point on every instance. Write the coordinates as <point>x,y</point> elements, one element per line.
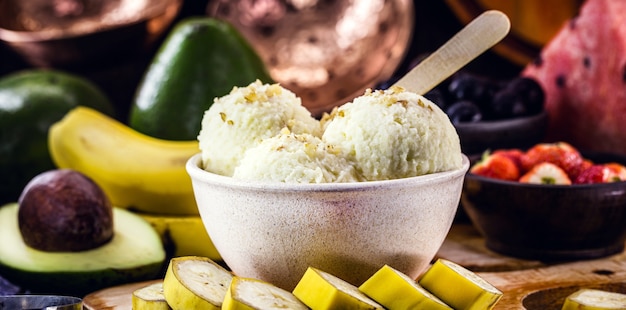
<point>393,134</point>
<point>295,158</point>
<point>244,117</point>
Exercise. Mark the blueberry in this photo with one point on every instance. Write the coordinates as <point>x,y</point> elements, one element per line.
<point>521,97</point>
<point>468,86</point>
<point>464,111</point>
<point>531,92</point>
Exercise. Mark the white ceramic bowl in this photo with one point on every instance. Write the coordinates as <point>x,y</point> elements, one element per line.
<point>274,231</point>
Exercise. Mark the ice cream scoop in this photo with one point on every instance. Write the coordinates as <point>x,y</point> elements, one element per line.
<point>295,158</point>
<point>244,117</point>
<point>393,134</point>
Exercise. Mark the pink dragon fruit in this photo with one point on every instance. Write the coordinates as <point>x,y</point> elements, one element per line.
<point>583,73</point>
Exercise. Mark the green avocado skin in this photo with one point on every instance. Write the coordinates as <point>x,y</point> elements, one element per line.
<point>79,283</point>
<point>202,58</point>
<point>141,266</point>
<point>30,102</point>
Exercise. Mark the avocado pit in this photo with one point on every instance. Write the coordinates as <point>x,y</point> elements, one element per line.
<point>63,210</point>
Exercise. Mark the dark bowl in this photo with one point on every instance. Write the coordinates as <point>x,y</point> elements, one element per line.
<point>549,222</point>
<point>72,33</point>
<point>521,132</point>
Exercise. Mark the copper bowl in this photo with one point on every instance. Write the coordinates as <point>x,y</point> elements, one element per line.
<point>327,52</point>
<point>66,33</point>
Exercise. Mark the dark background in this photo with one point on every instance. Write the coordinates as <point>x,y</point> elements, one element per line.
<point>435,23</point>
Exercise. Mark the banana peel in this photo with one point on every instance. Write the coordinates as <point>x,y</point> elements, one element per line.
<point>321,290</point>
<point>136,171</point>
<point>183,235</point>
<point>396,290</point>
<point>594,299</point>
<point>150,297</point>
<point>193,282</point>
<point>470,291</point>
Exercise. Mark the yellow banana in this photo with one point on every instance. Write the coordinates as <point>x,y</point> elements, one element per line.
<point>320,290</point>
<point>183,235</point>
<point>194,282</point>
<point>255,294</point>
<point>594,299</point>
<point>136,171</point>
<point>395,290</point>
<point>459,287</point>
<point>150,297</point>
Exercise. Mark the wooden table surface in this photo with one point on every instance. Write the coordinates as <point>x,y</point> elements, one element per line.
<point>526,284</point>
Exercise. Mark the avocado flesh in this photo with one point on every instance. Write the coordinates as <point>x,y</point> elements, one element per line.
<point>134,254</point>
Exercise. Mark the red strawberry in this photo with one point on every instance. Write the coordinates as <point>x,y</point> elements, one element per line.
<point>618,171</point>
<point>496,166</point>
<point>546,173</point>
<point>592,175</point>
<point>561,154</point>
<point>514,154</point>
<point>602,173</point>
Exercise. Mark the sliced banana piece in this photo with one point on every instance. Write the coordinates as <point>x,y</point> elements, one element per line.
<point>254,294</point>
<point>194,282</point>
<point>459,287</point>
<point>150,297</point>
<point>321,290</point>
<point>594,299</point>
<point>183,235</point>
<point>395,290</point>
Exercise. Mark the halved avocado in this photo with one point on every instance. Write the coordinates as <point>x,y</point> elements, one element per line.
<point>134,254</point>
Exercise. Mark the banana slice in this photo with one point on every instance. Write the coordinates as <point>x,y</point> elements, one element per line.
<point>593,299</point>
<point>321,290</point>
<point>183,235</point>
<point>194,282</point>
<point>254,294</point>
<point>458,287</point>
<point>150,298</point>
<point>395,290</point>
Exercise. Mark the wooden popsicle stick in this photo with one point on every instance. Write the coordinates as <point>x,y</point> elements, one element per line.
<point>478,36</point>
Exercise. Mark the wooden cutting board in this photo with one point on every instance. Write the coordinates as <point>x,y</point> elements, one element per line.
<point>526,284</point>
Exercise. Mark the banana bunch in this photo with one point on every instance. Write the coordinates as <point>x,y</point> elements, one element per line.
<point>137,172</point>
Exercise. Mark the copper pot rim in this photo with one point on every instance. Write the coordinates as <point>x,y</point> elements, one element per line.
<point>152,11</point>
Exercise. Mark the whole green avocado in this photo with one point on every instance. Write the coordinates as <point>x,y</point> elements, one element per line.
<point>202,58</point>
<point>30,102</point>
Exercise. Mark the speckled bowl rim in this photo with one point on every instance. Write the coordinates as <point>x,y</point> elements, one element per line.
<point>198,174</point>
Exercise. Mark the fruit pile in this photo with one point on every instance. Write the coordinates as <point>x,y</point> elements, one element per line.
<point>51,120</point>
<point>194,282</point>
<point>64,230</point>
<point>468,97</point>
<point>557,163</point>
<point>179,84</point>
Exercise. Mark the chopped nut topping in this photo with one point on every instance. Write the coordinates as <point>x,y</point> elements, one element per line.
<point>274,90</point>
<point>251,97</point>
